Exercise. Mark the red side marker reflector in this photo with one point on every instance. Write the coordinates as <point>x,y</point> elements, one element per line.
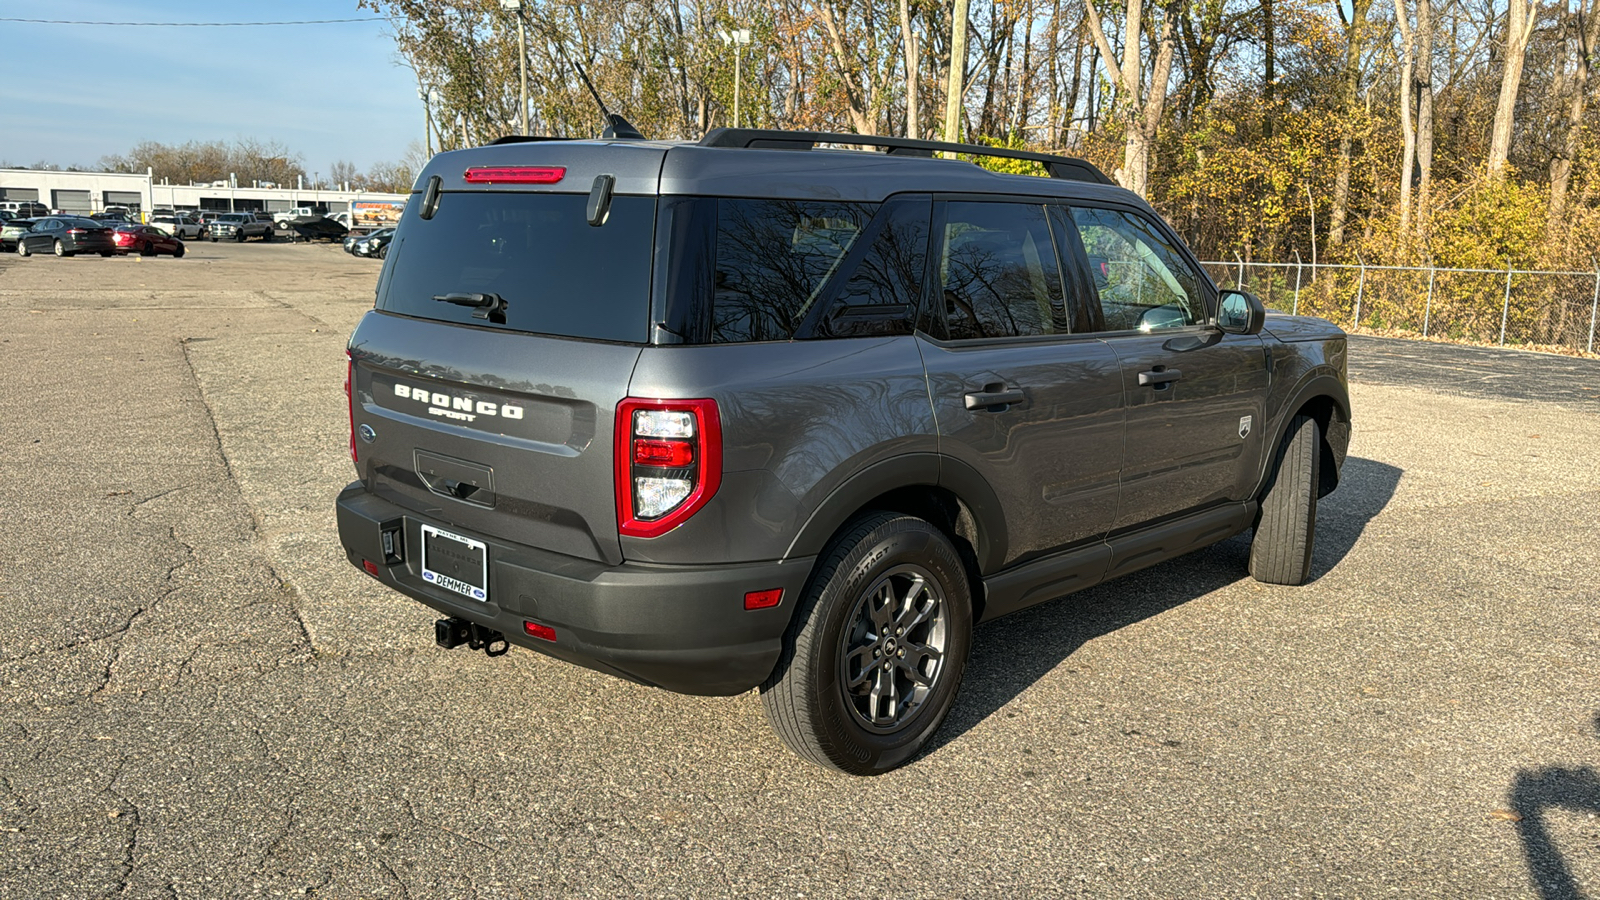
<point>372,569</point>
<point>515,174</point>
<point>542,632</point>
<point>763,599</point>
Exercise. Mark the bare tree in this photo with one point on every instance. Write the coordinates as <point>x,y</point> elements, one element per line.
<point>1519,28</point>
<point>1584,23</point>
<point>1141,110</point>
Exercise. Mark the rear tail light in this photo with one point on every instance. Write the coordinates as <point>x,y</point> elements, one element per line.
<point>76,231</point>
<point>350,401</point>
<point>669,463</point>
<point>542,632</point>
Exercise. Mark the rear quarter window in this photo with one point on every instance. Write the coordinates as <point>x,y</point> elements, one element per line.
<point>537,252</point>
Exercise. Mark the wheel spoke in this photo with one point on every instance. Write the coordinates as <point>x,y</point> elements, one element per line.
<point>883,689</point>
<point>859,665</point>
<point>913,663</point>
<point>881,607</point>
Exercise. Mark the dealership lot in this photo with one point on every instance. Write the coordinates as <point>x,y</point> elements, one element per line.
<point>199,697</point>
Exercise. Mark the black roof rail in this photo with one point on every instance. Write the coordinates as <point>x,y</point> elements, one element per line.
<point>524,139</point>
<point>1069,167</point>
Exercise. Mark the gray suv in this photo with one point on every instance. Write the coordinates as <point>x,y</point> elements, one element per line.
<point>724,415</point>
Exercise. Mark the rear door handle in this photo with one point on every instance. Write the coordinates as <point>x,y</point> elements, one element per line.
<point>993,396</point>
<point>1159,376</point>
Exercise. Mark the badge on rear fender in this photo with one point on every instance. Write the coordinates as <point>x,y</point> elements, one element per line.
<point>1244,426</point>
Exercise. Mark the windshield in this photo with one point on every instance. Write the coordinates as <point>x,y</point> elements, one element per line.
<point>556,273</point>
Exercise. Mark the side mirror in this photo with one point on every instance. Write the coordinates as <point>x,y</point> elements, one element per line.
<point>1241,313</point>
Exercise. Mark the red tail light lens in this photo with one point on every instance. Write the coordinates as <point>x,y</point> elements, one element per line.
<point>515,174</point>
<point>542,632</point>
<point>350,401</point>
<point>668,463</point>
<point>76,231</point>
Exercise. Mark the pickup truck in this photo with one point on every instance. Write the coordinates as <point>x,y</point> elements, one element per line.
<point>283,218</point>
<point>238,226</point>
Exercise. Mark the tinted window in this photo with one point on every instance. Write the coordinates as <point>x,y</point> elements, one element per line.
<point>881,296</point>
<point>998,272</point>
<point>773,258</point>
<point>1143,282</point>
<point>556,273</point>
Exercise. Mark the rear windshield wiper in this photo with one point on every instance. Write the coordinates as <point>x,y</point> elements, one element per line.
<point>485,306</point>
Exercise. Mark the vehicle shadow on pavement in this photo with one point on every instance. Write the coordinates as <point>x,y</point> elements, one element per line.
<point>1533,794</point>
<point>1011,654</point>
<point>1365,487</point>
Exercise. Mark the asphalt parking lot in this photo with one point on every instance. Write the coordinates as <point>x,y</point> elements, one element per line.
<point>199,697</point>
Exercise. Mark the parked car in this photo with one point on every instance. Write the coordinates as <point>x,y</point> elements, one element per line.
<point>67,236</point>
<point>375,244</point>
<point>28,209</point>
<point>146,240</point>
<point>350,242</point>
<point>837,409</point>
<point>238,226</point>
<point>11,229</point>
<point>178,226</point>
<point>112,219</point>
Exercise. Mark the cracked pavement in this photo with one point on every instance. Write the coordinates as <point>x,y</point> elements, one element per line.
<point>199,697</point>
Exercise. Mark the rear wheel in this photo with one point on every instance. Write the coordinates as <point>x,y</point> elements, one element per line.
<point>61,249</point>
<point>1280,552</point>
<point>148,248</point>
<point>22,248</point>
<point>877,647</point>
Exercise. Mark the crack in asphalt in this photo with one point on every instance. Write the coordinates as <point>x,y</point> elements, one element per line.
<point>256,523</point>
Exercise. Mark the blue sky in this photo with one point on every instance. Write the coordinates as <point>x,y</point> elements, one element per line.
<point>328,92</point>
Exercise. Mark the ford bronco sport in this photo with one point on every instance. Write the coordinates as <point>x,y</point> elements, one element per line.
<point>725,415</point>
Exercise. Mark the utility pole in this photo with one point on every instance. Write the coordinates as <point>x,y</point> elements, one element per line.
<point>522,60</point>
<point>739,37</point>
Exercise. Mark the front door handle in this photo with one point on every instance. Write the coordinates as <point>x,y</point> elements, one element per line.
<point>1158,376</point>
<point>994,397</point>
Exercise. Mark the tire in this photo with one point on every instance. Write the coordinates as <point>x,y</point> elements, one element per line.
<point>22,249</point>
<point>147,249</point>
<point>268,236</point>
<point>239,236</point>
<point>809,697</point>
<point>1286,528</point>
<point>178,253</point>
<point>383,252</point>
<point>61,249</point>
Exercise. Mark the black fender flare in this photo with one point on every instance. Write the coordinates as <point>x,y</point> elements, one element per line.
<point>1322,383</point>
<point>910,470</point>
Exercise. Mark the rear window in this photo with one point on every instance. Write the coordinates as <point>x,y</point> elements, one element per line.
<point>553,272</point>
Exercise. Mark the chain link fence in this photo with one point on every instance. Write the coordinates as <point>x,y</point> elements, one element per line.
<point>1482,306</point>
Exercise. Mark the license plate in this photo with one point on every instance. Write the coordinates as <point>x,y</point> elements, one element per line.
<point>455,563</point>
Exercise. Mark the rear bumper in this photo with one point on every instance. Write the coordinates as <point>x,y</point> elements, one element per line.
<point>682,628</point>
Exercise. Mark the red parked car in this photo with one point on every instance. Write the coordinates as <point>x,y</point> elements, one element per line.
<point>147,241</point>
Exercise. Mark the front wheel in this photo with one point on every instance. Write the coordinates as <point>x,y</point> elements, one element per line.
<point>178,253</point>
<point>1280,552</point>
<point>268,235</point>
<point>877,647</point>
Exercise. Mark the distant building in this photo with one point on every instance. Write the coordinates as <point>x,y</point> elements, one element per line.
<point>90,192</point>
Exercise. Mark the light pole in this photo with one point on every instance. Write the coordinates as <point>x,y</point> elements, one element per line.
<point>522,59</point>
<point>739,37</point>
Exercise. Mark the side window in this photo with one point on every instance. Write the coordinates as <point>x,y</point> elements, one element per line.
<point>1143,282</point>
<point>881,296</point>
<point>998,274</point>
<point>773,259</point>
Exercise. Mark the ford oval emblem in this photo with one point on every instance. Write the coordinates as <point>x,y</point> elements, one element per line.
<point>367,434</point>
